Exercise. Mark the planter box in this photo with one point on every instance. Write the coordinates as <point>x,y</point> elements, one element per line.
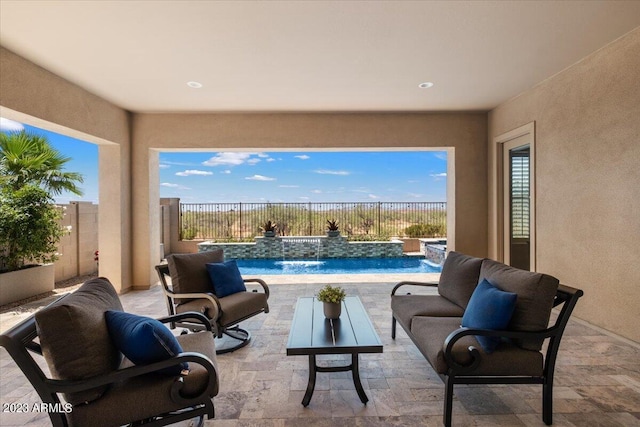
<point>21,284</point>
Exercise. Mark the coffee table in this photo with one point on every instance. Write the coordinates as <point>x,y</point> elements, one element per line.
<point>312,334</point>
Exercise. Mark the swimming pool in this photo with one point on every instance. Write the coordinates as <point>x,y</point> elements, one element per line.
<point>337,266</point>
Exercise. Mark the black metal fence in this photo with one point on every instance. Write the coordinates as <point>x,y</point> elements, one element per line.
<point>357,220</point>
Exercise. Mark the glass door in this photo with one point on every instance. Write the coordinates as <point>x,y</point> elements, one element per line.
<point>517,199</point>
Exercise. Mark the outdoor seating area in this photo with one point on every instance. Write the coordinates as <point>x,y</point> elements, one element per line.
<point>487,325</point>
<point>596,379</point>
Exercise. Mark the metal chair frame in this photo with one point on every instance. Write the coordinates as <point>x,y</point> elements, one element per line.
<point>231,329</point>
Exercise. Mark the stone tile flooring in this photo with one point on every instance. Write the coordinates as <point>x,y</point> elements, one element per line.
<point>597,377</point>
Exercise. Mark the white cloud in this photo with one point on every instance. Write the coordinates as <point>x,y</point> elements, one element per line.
<point>226,172</point>
<point>270,159</point>
<point>176,186</point>
<point>289,186</point>
<point>373,196</point>
<point>253,161</point>
<point>303,198</point>
<point>7,125</point>
<point>163,166</point>
<point>331,172</point>
<point>228,159</point>
<point>263,155</point>
<point>439,175</point>
<point>415,195</point>
<point>441,155</point>
<point>259,178</point>
<point>193,172</point>
<point>316,191</point>
<point>302,157</point>
<point>167,162</point>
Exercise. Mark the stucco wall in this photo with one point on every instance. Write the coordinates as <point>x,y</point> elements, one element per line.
<point>464,133</point>
<point>33,95</point>
<point>587,122</point>
<point>77,247</point>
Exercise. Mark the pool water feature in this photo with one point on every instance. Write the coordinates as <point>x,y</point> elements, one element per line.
<point>337,266</point>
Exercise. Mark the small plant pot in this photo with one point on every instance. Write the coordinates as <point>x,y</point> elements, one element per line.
<point>332,310</point>
<point>333,233</point>
<point>269,234</point>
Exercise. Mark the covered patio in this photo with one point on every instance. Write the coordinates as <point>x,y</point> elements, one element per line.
<point>596,377</point>
<point>566,71</point>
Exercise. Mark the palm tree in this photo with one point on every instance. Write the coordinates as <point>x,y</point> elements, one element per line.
<point>27,158</point>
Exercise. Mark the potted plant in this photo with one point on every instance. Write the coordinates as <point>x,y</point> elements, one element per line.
<point>331,297</point>
<point>31,170</point>
<point>333,230</point>
<point>269,229</point>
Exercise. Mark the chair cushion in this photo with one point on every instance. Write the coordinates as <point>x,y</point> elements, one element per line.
<point>507,359</point>
<point>148,395</point>
<point>489,308</point>
<point>74,337</point>
<point>459,277</point>
<point>200,305</point>
<point>226,278</point>
<point>536,292</point>
<point>404,307</point>
<point>238,306</point>
<point>189,272</point>
<point>144,340</point>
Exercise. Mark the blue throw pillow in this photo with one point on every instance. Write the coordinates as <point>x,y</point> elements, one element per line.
<point>489,308</point>
<point>226,278</point>
<point>144,340</point>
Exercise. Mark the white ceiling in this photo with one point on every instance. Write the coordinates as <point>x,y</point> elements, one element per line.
<point>310,56</point>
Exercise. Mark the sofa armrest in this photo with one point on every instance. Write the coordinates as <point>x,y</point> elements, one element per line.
<point>261,282</point>
<point>410,283</point>
<point>67,386</point>
<point>474,353</point>
<point>190,315</point>
<point>208,296</point>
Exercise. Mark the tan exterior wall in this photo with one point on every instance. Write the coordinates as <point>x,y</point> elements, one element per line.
<point>33,95</point>
<point>463,133</point>
<point>77,248</point>
<point>587,122</point>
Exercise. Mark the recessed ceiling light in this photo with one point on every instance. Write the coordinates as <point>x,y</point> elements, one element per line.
<point>425,85</point>
<point>195,85</point>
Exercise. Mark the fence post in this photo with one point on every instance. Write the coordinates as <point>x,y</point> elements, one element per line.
<point>379,217</point>
<point>240,213</point>
<point>310,221</point>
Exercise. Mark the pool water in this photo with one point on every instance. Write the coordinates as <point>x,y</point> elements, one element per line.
<point>337,266</point>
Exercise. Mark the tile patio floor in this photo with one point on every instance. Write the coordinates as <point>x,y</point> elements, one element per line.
<point>597,376</point>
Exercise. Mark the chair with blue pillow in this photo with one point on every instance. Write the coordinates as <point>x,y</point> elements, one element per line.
<point>107,367</point>
<point>205,283</point>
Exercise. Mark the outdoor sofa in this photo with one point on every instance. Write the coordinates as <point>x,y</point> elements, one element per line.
<point>487,324</point>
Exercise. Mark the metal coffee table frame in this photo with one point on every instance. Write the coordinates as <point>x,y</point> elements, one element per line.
<point>312,334</point>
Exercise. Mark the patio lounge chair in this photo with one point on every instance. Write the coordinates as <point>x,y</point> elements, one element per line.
<point>90,384</point>
<point>192,290</point>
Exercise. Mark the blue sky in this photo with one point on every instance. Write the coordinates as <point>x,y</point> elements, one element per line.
<point>284,176</point>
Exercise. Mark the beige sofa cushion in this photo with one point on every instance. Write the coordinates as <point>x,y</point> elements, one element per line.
<point>189,272</point>
<point>405,307</point>
<point>536,292</point>
<point>507,359</point>
<point>459,277</point>
<point>74,336</point>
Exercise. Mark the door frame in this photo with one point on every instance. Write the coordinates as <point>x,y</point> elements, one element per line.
<point>528,132</point>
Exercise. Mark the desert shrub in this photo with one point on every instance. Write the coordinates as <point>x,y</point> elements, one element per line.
<point>424,230</point>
